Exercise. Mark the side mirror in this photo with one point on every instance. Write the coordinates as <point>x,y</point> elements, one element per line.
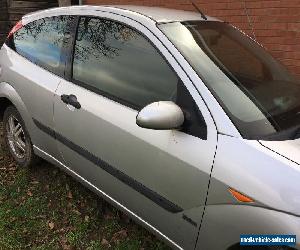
<point>163,115</point>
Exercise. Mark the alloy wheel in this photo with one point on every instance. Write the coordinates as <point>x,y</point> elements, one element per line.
<point>16,137</point>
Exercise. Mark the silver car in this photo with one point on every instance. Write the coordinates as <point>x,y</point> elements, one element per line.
<point>178,119</point>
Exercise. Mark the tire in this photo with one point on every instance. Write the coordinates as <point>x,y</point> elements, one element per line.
<point>17,138</point>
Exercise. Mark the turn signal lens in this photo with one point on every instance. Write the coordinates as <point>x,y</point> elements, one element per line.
<point>240,197</point>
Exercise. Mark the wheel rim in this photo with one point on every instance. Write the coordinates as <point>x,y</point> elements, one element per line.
<point>16,137</point>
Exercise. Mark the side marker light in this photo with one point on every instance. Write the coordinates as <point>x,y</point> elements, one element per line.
<point>240,197</point>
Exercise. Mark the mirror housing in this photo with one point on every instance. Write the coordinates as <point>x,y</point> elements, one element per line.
<point>162,115</point>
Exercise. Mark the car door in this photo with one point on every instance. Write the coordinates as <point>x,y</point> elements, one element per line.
<point>38,67</point>
<point>160,176</point>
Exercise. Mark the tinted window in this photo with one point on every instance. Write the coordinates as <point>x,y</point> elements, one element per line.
<point>42,41</point>
<point>120,63</point>
<point>261,97</point>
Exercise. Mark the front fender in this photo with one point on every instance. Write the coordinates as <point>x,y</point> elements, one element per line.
<point>223,224</point>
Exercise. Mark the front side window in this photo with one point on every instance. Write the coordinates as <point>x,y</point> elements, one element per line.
<point>117,61</point>
<point>41,42</point>
<point>259,95</point>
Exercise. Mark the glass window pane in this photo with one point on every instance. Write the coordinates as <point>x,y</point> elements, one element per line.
<point>119,62</point>
<point>259,95</point>
<point>41,41</point>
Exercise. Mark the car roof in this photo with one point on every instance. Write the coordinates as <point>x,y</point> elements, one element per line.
<point>159,14</point>
<point>155,14</point>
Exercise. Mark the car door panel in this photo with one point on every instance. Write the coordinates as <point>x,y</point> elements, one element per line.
<point>147,171</point>
<point>113,126</point>
<point>160,175</point>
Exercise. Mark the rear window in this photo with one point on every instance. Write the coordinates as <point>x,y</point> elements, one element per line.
<point>41,42</point>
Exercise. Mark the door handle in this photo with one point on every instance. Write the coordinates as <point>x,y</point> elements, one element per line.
<point>71,100</point>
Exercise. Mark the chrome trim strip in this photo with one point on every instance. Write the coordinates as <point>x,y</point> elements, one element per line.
<point>110,198</point>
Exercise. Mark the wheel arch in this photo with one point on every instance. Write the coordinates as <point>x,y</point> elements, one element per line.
<point>4,103</point>
<point>227,222</point>
<point>9,96</point>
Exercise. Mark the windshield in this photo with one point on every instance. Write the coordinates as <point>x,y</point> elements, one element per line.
<point>259,95</point>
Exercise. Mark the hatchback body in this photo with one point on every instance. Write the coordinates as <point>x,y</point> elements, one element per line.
<point>181,121</point>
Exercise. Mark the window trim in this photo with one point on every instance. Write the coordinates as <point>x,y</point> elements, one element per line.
<point>106,95</point>
<point>69,71</point>
<point>103,93</point>
<point>70,50</point>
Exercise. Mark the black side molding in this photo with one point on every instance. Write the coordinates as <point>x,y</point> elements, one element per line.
<point>189,220</point>
<point>137,186</point>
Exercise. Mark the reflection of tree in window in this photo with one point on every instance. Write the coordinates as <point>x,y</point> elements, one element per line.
<point>41,41</point>
<point>39,28</point>
<point>98,33</point>
<point>121,63</point>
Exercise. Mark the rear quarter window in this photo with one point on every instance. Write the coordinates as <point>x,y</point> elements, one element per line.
<point>42,42</point>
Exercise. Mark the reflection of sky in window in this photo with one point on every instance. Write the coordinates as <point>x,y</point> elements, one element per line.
<point>42,51</point>
<point>41,41</point>
<point>136,73</point>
